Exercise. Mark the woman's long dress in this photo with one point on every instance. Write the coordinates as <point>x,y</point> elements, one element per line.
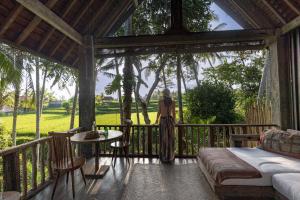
<point>166,138</point>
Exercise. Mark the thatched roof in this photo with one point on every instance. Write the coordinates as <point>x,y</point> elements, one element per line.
<point>26,29</point>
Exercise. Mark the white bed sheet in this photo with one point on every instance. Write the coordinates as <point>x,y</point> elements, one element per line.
<point>266,162</point>
<point>288,184</point>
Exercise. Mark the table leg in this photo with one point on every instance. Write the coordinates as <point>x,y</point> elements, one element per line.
<point>98,171</point>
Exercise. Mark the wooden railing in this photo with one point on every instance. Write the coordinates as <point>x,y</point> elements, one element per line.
<point>189,138</point>
<point>27,168</point>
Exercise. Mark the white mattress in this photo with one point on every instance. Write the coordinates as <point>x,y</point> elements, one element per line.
<point>287,184</point>
<point>266,162</point>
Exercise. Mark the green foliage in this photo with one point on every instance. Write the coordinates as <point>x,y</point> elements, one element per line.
<point>114,85</point>
<point>241,72</point>
<point>4,138</point>
<point>210,100</point>
<point>67,106</point>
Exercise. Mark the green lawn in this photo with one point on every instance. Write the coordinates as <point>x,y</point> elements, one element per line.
<point>56,120</point>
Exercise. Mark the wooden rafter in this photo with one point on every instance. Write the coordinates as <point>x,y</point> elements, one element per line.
<point>72,24</point>
<point>50,17</point>
<point>245,14</point>
<point>105,28</point>
<point>291,25</point>
<point>98,15</point>
<point>296,10</point>
<point>209,37</point>
<point>91,23</point>
<point>34,23</point>
<point>68,52</point>
<point>50,33</point>
<point>275,12</point>
<point>11,18</point>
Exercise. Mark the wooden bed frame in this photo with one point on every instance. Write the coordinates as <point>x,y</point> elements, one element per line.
<point>232,192</point>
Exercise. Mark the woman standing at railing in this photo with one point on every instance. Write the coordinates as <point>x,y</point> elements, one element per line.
<point>167,116</point>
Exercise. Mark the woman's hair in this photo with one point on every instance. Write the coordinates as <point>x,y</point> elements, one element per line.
<point>167,97</point>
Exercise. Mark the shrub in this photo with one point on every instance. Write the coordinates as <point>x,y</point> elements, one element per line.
<point>209,101</point>
<point>4,138</point>
<point>67,107</point>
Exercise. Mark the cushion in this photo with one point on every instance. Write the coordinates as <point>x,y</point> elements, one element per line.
<point>266,162</point>
<point>287,184</point>
<point>282,142</point>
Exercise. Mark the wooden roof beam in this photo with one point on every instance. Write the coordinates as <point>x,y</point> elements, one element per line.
<point>296,10</point>
<point>236,47</point>
<point>210,37</point>
<point>291,25</point>
<point>50,17</point>
<point>274,12</point>
<point>11,18</point>
<point>34,23</point>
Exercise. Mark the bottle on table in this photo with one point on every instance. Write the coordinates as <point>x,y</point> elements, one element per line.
<point>105,132</point>
<point>94,126</point>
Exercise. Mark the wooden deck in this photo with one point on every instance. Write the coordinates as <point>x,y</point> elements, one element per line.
<point>110,187</point>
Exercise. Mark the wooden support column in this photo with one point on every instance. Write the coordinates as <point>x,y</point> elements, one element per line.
<point>280,91</point>
<point>87,88</point>
<point>284,81</point>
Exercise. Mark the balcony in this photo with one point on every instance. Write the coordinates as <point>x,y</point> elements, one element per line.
<point>27,168</point>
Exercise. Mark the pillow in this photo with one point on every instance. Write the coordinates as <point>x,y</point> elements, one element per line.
<point>283,142</point>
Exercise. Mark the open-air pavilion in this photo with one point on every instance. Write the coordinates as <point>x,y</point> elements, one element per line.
<point>75,33</point>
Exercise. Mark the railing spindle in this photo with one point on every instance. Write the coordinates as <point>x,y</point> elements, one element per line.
<point>24,172</point>
<point>34,166</point>
<point>42,162</point>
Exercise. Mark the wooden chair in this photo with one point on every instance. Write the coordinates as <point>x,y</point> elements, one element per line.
<point>123,144</point>
<point>63,159</point>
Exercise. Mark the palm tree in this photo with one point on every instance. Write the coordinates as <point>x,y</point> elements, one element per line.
<point>115,85</point>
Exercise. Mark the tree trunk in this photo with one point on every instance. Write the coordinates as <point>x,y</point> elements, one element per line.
<point>196,75</point>
<point>19,61</point>
<point>128,78</point>
<point>119,94</point>
<point>37,98</point>
<point>164,78</point>
<point>137,108</point>
<point>74,107</point>
<point>179,88</point>
<point>183,80</point>
<point>43,91</point>
<point>15,114</point>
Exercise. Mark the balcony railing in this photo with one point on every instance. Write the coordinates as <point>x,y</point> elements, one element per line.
<point>189,138</point>
<point>27,167</point>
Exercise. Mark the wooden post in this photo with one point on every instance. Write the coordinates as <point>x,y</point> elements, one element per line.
<point>150,141</point>
<point>87,77</point>
<point>180,141</point>
<point>211,137</point>
<point>284,82</point>
<point>11,172</point>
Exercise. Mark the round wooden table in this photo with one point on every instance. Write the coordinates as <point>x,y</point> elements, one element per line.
<point>11,195</point>
<point>100,170</point>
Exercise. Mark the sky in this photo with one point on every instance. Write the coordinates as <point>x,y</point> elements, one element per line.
<point>103,81</point>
